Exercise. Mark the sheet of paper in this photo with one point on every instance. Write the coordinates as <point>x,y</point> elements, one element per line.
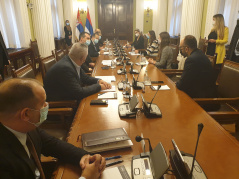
<point>133,53</point>
<point>142,63</point>
<point>106,53</point>
<point>114,173</point>
<point>108,90</point>
<point>163,87</point>
<point>108,79</point>
<point>108,95</point>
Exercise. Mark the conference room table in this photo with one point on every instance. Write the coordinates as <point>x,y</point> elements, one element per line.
<point>218,151</point>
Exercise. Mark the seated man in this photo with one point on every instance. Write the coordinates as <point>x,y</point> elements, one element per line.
<point>198,78</point>
<point>65,79</point>
<point>94,50</point>
<point>23,108</point>
<point>101,43</point>
<point>88,65</point>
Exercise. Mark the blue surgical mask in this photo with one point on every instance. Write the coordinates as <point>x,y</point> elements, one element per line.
<point>96,41</point>
<point>99,37</point>
<point>67,23</point>
<point>43,115</point>
<point>147,36</point>
<point>87,42</point>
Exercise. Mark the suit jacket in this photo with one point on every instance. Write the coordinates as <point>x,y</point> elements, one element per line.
<point>3,55</point>
<point>92,50</point>
<point>85,66</point>
<point>198,78</point>
<point>138,44</point>
<point>14,161</point>
<point>62,82</point>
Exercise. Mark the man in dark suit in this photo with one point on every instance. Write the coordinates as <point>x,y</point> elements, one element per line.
<point>98,31</point>
<point>94,49</point>
<point>65,80</point>
<point>22,109</point>
<point>198,78</point>
<point>88,66</point>
<point>3,56</point>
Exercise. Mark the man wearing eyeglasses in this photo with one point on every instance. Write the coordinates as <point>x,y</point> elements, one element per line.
<point>198,78</point>
<point>23,108</point>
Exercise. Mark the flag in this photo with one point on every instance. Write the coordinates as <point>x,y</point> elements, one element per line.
<point>88,24</point>
<point>79,26</point>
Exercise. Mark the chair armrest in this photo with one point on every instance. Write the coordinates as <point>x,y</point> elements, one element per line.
<point>171,70</point>
<point>60,111</point>
<point>57,104</point>
<point>215,100</point>
<point>173,73</point>
<point>224,115</point>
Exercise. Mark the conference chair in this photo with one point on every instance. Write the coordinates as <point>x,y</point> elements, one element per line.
<point>145,42</point>
<point>228,92</point>
<point>202,44</point>
<point>1,80</point>
<point>46,64</point>
<point>37,57</point>
<point>59,54</point>
<point>25,71</point>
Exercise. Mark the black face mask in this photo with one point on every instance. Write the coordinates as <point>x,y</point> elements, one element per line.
<point>183,54</point>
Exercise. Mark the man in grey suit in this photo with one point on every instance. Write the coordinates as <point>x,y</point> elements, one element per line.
<point>66,80</point>
<point>23,108</point>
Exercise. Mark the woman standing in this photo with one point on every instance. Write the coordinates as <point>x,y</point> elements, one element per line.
<point>218,38</point>
<point>152,49</point>
<point>165,55</point>
<point>68,33</point>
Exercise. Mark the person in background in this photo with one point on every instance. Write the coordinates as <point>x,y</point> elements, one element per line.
<point>23,108</point>
<point>139,40</point>
<point>93,49</point>
<point>152,49</point>
<point>217,39</point>
<point>88,66</point>
<point>101,43</point>
<point>68,33</point>
<point>165,54</point>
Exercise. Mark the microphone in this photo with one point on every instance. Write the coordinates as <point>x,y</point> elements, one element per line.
<point>200,127</point>
<point>139,138</point>
<point>131,68</point>
<point>139,72</point>
<point>159,86</point>
<point>126,78</point>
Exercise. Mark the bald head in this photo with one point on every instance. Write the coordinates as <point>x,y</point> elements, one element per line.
<point>78,53</point>
<point>18,93</point>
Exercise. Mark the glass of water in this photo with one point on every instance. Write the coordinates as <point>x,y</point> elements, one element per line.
<point>113,64</point>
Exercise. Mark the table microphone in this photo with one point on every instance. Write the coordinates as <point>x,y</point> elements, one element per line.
<point>139,138</point>
<point>200,127</point>
<point>159,86</point>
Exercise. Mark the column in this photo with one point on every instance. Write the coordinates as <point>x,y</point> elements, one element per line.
<point>43,28</point>
<point>140,14</point>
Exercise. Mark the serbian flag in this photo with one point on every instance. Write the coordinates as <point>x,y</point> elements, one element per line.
<point>88,24</point>
<point>79,26</point>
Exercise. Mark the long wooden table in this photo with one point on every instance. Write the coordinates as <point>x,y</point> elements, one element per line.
<point>218,151</point>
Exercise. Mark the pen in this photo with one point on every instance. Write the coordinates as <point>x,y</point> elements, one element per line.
<point>114,157</point>
<point>114,163</point>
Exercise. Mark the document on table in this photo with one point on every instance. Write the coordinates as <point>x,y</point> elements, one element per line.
<point>108,90</point>
<point>108,79</point>
<point>133,53</point>
<point>116,173</point>
<point>163,87</point>
<point>106,53</point>
<point>142,63</point>
<point>108,95</point>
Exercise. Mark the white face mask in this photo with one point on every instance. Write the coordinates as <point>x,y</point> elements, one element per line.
<point>137,35</point>
<point>43,115</point>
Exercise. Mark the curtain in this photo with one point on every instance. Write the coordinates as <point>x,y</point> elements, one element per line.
<point>174,17</point>
<point>231,14</point>
<point>57,18</point>
<point>140,14</point>
<point>14,23</point>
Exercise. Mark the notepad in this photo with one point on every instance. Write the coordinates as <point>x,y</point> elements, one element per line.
<point>106,53</point>
<point>108,95</point>
<point>133,53</point>
<point>142,63</point>
<point>108,90</point>
<point>106,62</point>
<point>163,87</point>
<point>116,173</point>
<point>108,79</point>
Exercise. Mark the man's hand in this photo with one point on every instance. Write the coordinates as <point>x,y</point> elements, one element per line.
<point>150,60</point>
<point>101,48</point>
<point>90,69</point>
<point>107,85</point>
<point>92,64</point>
<point>212,41</point>
<point>136,51</point>
<point>92,166</point>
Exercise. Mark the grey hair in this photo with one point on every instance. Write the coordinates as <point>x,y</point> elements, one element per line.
<point>78,51</point>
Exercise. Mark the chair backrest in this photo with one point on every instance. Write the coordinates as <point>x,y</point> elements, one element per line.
<point>46,64</point>
<point>202,45</point>
<point>59,54</point>
<point>175,40</point>
<point>24,72</point>
<point>229,80</point>
<point>175,49</point>
<point>145,42</point>
<point>34,46</point>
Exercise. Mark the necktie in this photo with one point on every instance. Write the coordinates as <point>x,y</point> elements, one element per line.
<point>34,155</point>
